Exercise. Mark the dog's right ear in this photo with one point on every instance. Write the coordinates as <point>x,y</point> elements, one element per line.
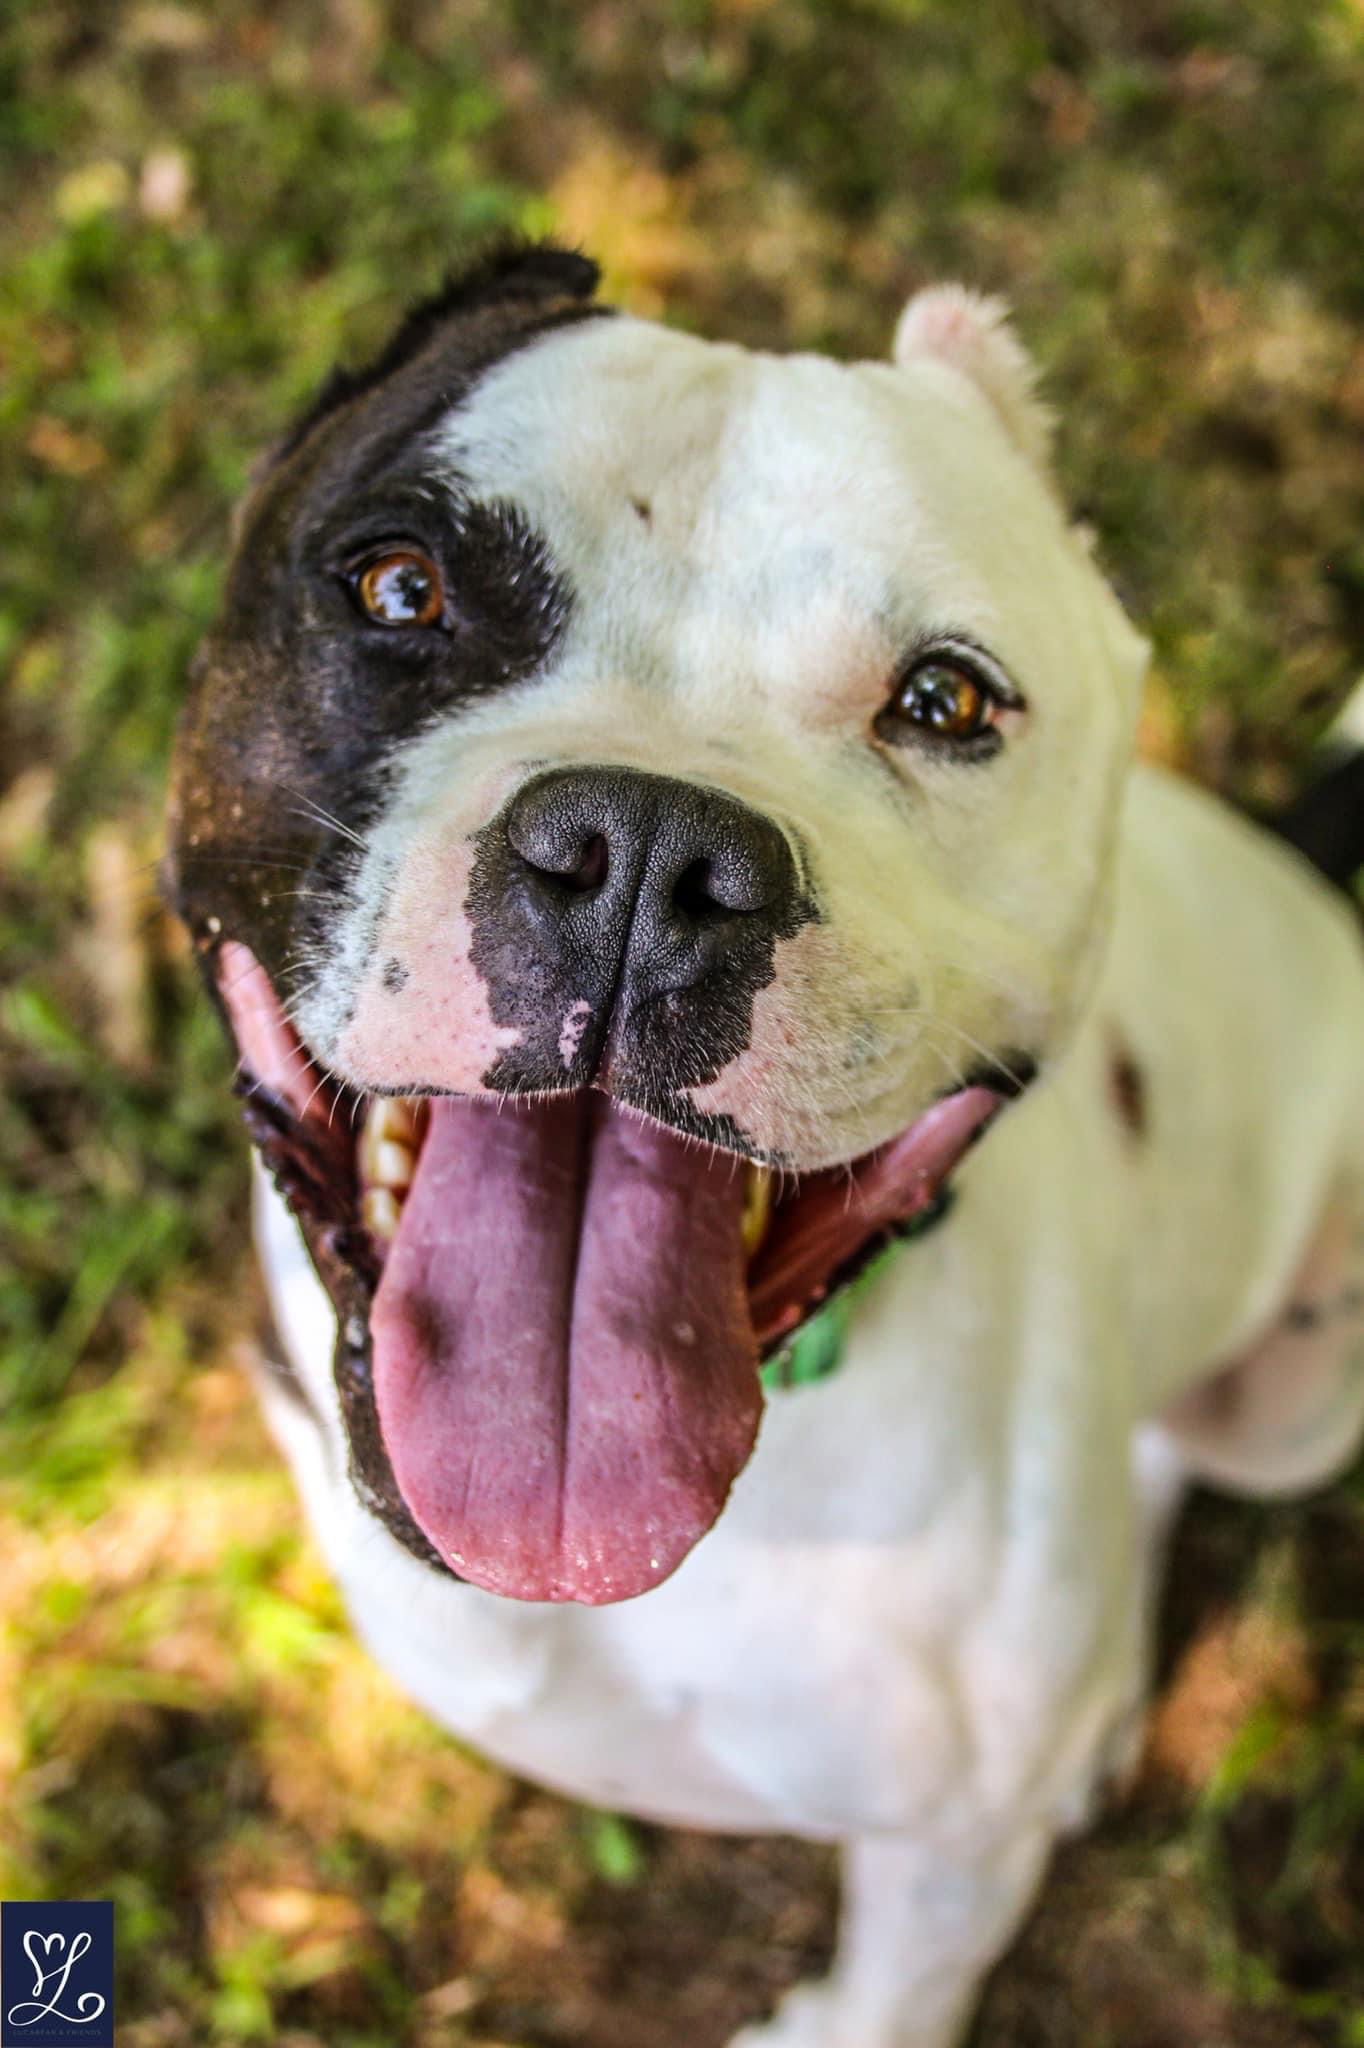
<point>538,277</point>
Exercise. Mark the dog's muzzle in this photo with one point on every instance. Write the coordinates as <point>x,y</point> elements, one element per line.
<point>552,1310</point>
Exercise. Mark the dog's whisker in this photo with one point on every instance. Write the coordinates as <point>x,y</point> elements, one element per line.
<point>307,808</point>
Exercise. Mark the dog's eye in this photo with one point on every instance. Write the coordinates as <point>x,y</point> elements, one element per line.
<point>943,701</point>
<point>401,588</point>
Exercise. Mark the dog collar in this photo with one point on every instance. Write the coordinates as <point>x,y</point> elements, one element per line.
<point>816,1350</point>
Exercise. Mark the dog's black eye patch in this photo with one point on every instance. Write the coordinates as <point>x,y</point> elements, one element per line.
<point>433,569</point>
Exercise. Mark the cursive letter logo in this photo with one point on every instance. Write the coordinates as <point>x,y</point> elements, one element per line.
<point>29,2010</point>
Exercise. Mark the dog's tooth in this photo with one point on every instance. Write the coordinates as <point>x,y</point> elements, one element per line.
<point>380,1211</point>
<point>757,1210</point>
<point>366,1147</point>
<point>390,1165</point>
<point>387,1144</point>
<point>394,1116</point>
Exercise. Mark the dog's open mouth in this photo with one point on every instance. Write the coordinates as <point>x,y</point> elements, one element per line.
<point>567,1303</point>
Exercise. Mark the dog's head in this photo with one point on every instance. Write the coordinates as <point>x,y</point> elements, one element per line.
<point>644,807</point>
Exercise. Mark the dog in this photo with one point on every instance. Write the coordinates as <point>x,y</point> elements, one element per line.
<point>646,812</point>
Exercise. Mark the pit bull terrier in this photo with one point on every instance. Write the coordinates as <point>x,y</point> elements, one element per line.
<point>646,811</point>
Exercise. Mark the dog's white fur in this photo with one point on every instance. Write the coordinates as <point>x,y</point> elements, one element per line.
<point>919,1626</point>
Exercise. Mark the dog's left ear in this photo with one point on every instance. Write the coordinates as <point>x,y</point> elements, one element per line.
<point>972,334</point>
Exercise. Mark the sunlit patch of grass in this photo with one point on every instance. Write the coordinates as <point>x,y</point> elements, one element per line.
<point>1263,1723</point>
<point>196,1733</point>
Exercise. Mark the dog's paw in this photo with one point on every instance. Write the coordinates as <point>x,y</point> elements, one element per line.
<point>820,2016</point>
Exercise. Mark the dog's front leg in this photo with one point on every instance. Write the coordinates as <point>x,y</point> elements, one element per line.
<point>919,1929</point>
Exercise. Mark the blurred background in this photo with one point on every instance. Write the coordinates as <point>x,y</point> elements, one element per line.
<point>204,208</point>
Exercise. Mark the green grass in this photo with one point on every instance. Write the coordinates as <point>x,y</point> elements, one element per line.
<point>206,206</point>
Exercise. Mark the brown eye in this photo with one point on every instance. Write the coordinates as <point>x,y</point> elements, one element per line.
<point>942,700</point>
<point>402,589</point>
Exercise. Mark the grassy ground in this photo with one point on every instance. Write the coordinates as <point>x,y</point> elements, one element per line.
<point>203,207</point>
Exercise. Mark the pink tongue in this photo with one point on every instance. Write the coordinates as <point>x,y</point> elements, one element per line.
<point>564,1365</point>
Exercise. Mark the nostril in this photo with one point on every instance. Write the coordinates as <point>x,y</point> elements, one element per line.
<point>705,889</point>
<point>575,864</point>
<point>691,890</point>
<point>593,862</point>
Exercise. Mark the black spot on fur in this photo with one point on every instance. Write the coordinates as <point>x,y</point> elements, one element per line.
<point>1127,1089</point>
<point>1304,1316</point>
<point>395,977</point>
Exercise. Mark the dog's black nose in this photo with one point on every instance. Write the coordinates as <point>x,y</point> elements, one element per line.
<point>638,914</point>
<point>665,877</point>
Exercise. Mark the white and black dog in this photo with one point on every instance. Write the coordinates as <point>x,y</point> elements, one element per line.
<point>647,807</point>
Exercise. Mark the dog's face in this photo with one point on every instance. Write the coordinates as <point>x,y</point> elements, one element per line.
<point>644,807</point>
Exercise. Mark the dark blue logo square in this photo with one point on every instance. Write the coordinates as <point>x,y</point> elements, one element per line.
<point>57,1974</point>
